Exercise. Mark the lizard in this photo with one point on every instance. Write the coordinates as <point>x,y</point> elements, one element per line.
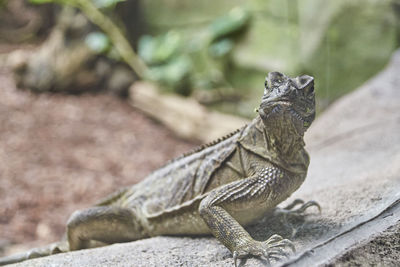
<point>217,188</point>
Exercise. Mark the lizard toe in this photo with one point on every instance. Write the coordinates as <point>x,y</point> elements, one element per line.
<point>291,210</point>
<point>275,248</point>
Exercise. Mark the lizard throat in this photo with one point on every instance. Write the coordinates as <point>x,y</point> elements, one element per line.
<point>282,137</point>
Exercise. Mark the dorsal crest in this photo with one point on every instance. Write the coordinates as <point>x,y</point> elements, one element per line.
<point>204,146</point>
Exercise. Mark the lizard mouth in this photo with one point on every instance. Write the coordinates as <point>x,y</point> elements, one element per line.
<point>273,107</point>
<point>297,115</point>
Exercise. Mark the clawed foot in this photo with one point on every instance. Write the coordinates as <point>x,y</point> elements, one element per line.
<point>290,209</point>
<point>293,210</point>
<point>274,248</point>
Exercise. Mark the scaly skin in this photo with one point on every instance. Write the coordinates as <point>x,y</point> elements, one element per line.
<point>216,188</point>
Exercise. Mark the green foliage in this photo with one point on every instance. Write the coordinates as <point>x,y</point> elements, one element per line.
<point>38,2</point>
<point>159,49</point>
<point>106,4</point>
<point>197,60</point>
<point>237,19</point>
<point>341,43</point>
<point>207,44</point>
<point>174,74</point>
<point>3,3</point>
<point>221,48</point>
<point>168,64</point>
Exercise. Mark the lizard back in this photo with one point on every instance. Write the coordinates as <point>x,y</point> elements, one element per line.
<point>182,180</point>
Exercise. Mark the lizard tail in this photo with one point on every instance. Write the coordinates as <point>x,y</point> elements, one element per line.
<point>51,249</point>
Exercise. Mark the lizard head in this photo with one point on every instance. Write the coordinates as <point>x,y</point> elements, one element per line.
<point>288,101</point>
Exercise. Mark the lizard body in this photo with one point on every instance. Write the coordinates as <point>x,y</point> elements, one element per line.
<point>216,188</point>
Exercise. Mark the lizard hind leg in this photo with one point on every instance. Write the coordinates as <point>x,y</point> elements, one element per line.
<point>102,225</point>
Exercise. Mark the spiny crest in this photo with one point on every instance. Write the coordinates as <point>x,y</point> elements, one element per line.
<point>204,146</point>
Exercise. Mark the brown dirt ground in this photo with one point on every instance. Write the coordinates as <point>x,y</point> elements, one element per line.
<point>60,153</point>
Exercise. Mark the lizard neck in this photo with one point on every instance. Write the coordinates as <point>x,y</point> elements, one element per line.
<point>281,138</point>
<point>283,147</point>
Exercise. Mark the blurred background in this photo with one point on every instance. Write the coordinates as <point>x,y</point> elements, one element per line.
<point>70,71</point>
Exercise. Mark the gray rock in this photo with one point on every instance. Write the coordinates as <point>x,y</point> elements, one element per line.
<point>354,175</point>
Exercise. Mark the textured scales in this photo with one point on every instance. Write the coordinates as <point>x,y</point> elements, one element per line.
<point>215,188</point>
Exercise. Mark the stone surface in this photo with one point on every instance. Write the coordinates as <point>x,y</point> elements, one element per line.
<point>354,175</point>
<point>382,250</point>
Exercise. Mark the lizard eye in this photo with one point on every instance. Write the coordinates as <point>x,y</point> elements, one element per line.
<point>267,89</point>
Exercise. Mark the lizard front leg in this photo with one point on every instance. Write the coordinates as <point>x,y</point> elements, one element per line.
<point>248,193</point>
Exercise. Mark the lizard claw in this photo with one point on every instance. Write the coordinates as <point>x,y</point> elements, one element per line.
<point>293,210</point>
<point>295,202</point>
<point>235,257</point>
<point>274,248</point>
<point>282,244</point>
<point>289,209</point>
